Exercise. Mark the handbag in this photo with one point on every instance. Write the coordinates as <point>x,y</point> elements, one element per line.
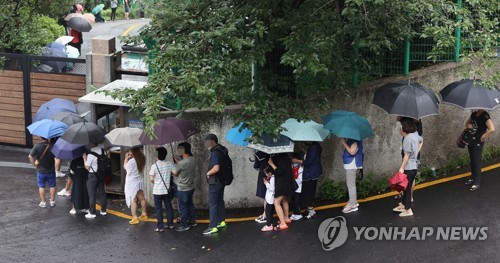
<point>37,162</point>
<point>398,182</point>
<point>465,138</point>
<point>170,190</point>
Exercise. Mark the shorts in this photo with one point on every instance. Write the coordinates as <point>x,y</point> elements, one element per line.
<point>44,179</point>
<point>127,9</point>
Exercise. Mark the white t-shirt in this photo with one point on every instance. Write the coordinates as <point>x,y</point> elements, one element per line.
<point>299,180</point>
<point>352,165</point>
<point>92,160</point>
<point>270,191</point>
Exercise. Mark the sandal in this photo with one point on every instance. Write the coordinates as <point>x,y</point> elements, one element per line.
<point>286,221</point>
<point>280,228</point>
<point>159,229</point>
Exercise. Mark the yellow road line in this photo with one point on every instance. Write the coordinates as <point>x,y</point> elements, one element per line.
<point>368,199</point>
<point>126,32</point>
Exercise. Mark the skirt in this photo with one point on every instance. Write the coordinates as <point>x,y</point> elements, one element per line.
<point>79,193</point>
<point>132,187</point>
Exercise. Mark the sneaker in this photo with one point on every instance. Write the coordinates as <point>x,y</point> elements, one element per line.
<point>311,213</point>
<point>90,216</point>
<point>143,217</point>
<point>104,213</point>
<point>210,231</point>
<point>267,228</point>
<point>169,227</point>
<point>193,224</point>
<point>63,192</point>
<point>348,209</point>
<point>134,221</point>
<point>52,203</point>
<point>72,211</point>
<point>406,213</point>
<point>474,188</point>
<point>400,208</point>
<point>261,219</point>
<point>42,204</point>
<point>295,217</point>
<point>183,228</point>
<point>469,182</point>
<point>222,225</point>
<point>60,174</point>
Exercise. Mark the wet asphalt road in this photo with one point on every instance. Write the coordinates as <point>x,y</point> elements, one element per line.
<point>32,234</point>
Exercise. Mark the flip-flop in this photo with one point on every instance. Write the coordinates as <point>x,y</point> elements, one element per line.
<point>286,221</point>
<point>279,228</point>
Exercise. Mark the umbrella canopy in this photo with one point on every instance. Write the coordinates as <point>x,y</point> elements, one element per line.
<point>170,130</point>
<point>98,9</point>
<point>238,136</point>
<point>346,124</point>
<point>69,118</point>
<point>309,131</point>
<point>47,128</point>
<point>408,100</point>
<point>72,52</point>
<point>470,94</point>
<point>127,137</point>
<point>272,146</point>
<point>67,151</point>
<point>79,23</point>
<point>54,51</point>
<point>90,17</point>
<point>64,40</point>
<point>50,108</point>
<point>84,133</point>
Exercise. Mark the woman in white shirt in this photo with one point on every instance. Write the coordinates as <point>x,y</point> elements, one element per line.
<point>134,164</point>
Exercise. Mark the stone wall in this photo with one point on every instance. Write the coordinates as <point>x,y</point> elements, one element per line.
<point>382,151</point>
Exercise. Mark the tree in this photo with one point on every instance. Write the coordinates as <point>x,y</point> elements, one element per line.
<point>277,57</point>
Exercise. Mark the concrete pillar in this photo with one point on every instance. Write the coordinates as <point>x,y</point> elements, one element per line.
<point>104,60</point>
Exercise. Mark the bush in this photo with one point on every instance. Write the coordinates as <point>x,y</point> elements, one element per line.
<point>371,185</point>
<point>120,13</point>
<point>332,191</point>
<point>47,31</point>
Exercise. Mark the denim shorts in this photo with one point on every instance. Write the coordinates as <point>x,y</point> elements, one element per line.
<point>44,179</point>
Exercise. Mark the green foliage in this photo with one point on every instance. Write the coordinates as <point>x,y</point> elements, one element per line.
<point>332,191</point>
<point>371,185</point>
<point>204,50</point>
<point>120,13</point>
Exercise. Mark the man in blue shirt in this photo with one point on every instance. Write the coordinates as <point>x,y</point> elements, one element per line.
<point>215,187</point>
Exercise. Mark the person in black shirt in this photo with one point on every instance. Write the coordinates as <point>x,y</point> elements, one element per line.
<point>42,158</point>
<point>480,127</point>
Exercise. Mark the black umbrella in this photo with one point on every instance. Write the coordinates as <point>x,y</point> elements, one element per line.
<point>79,24</point>
<point>470,94</point>
<point>69,118</point>
<point>408,100</point>
<point>84,133</point>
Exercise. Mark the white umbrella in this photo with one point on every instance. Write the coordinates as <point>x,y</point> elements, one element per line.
<point>127,137</point>
<point>72,52</point>
<point>64,40</point>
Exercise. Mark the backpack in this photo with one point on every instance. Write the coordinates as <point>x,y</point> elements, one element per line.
<point>225,174</point>
<point>103,165</point>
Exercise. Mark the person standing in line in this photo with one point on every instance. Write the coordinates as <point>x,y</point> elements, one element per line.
<point>297,170</point>
<point>160,175</point>
<point>269,182</point>
<point>352,158</point>
<point>284,188</point>
<point>114,5</point>
<point>260,165</point>
<point>215,186</point>
<point>185,171</point>
<point>80,196</point>
<point>412,144</point>
<point>93,182</point>
<point>134,164</point>
<point>127,8</point>
<point>77,39</point>
<point>42,158</point>
<point>480,127</point>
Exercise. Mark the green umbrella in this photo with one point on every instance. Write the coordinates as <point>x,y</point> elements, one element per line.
<point>97,9</point>
<point>349,125</point>
<point>309,131</point>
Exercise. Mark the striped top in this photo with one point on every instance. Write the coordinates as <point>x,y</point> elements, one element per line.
<point>165,168</point>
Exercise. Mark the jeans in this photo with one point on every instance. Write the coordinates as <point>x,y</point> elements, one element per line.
<point>159,201</point>
<point>186,206</point>
<point>93,183</point>
<point>407,192</point>
<point>113,14</point>
<point>296,203</point>
<point>269,214</point>
<point>216,204</point>
<point>475,154</point>
<point>350,176</point>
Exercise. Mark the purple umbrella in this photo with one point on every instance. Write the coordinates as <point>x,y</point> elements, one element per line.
<point>170,130</point>
<point>67,151</point>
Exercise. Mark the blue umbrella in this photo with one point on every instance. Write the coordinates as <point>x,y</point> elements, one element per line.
<point>67,151</point>
<point>272,146</point>
<point>50,108</point>
<point>238,136</point>
<point>308,131</point>
<point>47,128</point>
<point>346,124</point>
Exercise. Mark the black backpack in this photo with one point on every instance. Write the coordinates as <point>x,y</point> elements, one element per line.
<point>225,174</point>
<point>103,165</point>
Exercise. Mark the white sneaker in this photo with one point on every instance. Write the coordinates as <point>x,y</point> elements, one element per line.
<point>72,211</point>
<point>348,209</point>
<point>103,213</point>
<point>400,208</point>
<point>90,216</point>
<point>406,213</point>
<point>296,217</point>
<point>42,204</point>
<point>261,219</point>
<point>63,192</point>
<point>52,203</point>
<point>311,213</point>
<point>60,174</point>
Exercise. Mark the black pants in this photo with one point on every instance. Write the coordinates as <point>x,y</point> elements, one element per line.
<point>407,192</point>
<point>475,154</point>
<point>296,203</point>
<point>93,183</point>
<point>308,193</point>
<point>217,208</point>
<point>269,214</point>
<point>113,14</point>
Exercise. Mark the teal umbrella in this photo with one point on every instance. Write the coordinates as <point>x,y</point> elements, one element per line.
<point>349,125</point>
<point>308,131</point>
<point>97,9</point>
<point>238,136</point>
